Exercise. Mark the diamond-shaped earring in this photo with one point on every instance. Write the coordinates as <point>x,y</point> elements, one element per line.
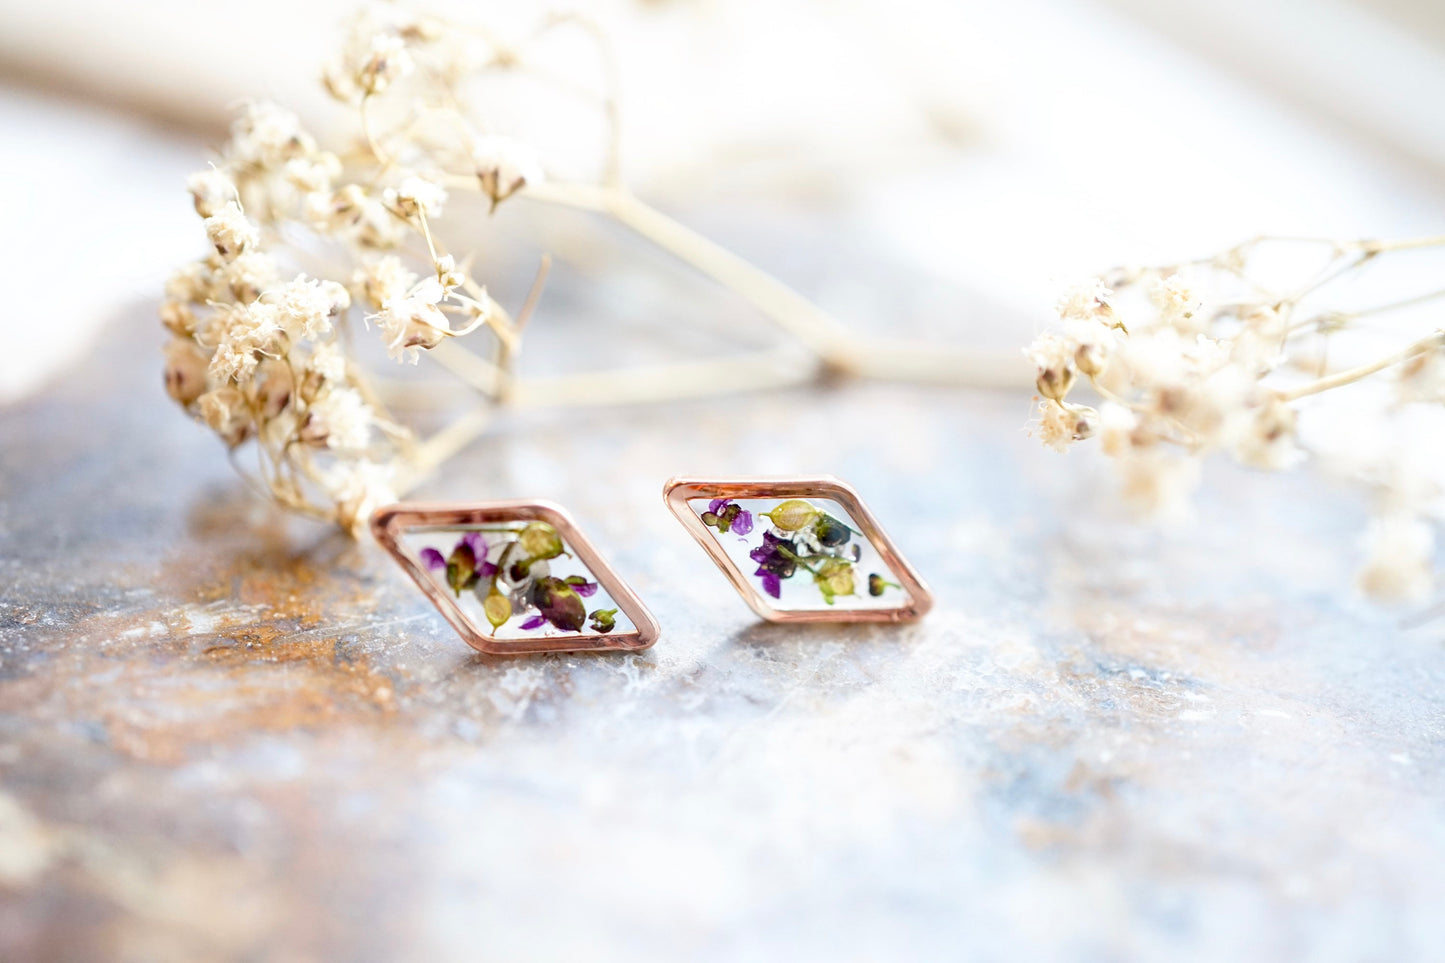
<point>515,577</point>
<point>800,549</point>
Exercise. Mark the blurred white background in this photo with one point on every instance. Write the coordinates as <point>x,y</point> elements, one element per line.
<point>1006,149</point>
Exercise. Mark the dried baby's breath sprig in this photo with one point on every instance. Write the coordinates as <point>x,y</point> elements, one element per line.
<point>310,249</point>
<point>1223,355</point>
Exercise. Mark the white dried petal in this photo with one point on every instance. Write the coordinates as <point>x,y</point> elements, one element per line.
<point>1060,425</point>
<point>224,411</point>
<point>504,166</point>
<point>1177,304</point>
<point>1088,301</point>
<point>416,195</point>
<point>339,419</point>
<point>248,274</point>
<point>210,191</point>
<point>328,362</point>
<point>385,279</point>
<point>411,324</point>
<point>231,231</point>
<point>307,308</point>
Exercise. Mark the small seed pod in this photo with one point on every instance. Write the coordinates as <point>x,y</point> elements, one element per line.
<point>1090,359</point>
<point>1054,383</point>
<point>793,514</point>
<point>540,540</point>
<point>497,607</point>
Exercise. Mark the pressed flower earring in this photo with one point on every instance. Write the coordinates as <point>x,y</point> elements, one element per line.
<point>515,577</point>
<point>800,549</point>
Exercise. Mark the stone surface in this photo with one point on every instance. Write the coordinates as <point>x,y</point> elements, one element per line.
<point>229,734</point>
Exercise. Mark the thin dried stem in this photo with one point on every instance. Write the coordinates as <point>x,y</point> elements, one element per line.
<point>1352,375</point>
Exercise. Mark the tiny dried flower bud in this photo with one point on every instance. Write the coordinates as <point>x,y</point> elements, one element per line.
<point>210,191</point>
<point>415,322</point>
<point>338,419</point>
<point>387,61</point>
<point>273,387</point>
<point>603,621</point>
<point>1087,302</point>
<point>248,274</point>
<point>313,174</point>
<point>186,366</point>
<point>1053,357</point>
<point>1090,359</point>
<point>178,318</point>
<point>1060,424</point>
<point>1054,383</point>
<point>416,195</point>
<point>224,411</point>
<point>385,279</point>
<point>340,81</point>
<point>504,167</point>
<point>448,275</point>
<point>231,231</point>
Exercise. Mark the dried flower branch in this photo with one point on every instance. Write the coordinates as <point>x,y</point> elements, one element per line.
<point>273,363</point>
<point>1209,356</point>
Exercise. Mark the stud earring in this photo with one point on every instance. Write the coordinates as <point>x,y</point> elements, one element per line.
<point>800,549</point>
<point>515,577</point>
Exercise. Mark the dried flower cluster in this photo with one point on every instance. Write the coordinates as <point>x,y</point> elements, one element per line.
<point>1211,356</point>
<point>310,249</point>
<point>263,352</point>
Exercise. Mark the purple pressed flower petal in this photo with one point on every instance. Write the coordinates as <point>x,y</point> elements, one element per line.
<point>743,523</point>
<point>477,542</point>
<point>772,584</point>
<point>586,589</point>
<point>486,570</point>
<point>535,622</point>
<point>433,559</point>
<point>717,505</point>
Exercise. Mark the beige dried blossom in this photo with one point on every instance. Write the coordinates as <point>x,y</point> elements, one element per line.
<point>1053,355</point>
<point>1399,553</point>
<point>416,196</point>
<point>1089,301</point>
<point>1214,364</point>
<point>186,366</point>
<point>338,419</point>
<point>504,166</point>
<point>1177,305</point>
<point>1059,424</point>
<point>231,231</point>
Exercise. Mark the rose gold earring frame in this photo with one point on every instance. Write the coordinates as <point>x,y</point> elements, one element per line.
<point>680,490</point>
<point>390,522</point>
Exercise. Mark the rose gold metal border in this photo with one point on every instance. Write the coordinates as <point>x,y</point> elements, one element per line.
<point>680,490</point>
<point>389,522</point>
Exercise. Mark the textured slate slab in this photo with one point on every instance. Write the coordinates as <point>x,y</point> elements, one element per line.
<point>224,733</point>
